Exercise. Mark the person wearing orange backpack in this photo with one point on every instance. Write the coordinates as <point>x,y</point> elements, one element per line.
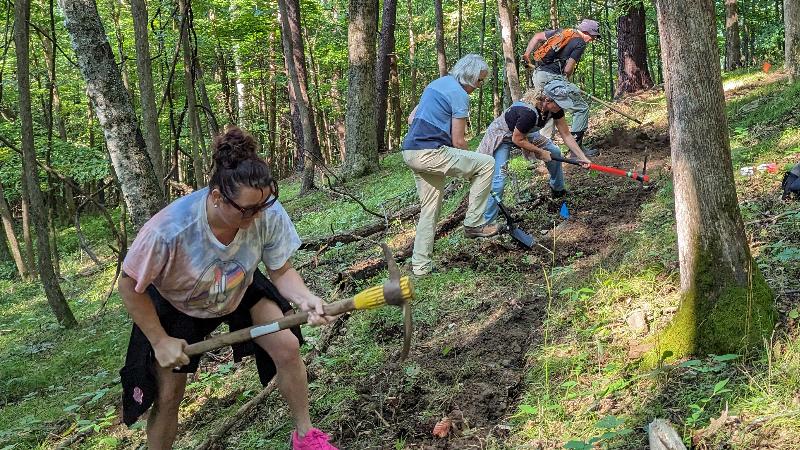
<point>555,55</point>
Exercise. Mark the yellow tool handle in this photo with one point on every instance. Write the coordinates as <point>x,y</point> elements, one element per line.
<point>373,297</point>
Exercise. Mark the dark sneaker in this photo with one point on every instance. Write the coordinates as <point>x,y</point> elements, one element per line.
<point>558,194</point>
<point>485,230</point>
<point>590,152</point>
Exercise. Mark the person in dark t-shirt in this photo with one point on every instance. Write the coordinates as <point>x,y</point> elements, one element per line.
<point>519,126</point>
<point>559,64</point>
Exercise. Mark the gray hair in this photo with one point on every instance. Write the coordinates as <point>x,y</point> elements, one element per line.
<point>468,69</point>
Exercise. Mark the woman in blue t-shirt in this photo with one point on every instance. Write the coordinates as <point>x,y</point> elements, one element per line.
<point>436,147</point>
<point>519,126</point>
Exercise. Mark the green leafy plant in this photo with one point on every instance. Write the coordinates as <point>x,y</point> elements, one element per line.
<point>611,426</point>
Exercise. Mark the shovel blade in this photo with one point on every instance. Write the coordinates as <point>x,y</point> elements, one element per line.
<point>524,239</point>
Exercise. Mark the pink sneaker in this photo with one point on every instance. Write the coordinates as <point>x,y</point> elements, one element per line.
<point>313,440</point>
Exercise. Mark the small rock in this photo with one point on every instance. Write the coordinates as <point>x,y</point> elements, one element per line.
<point>637,322</point>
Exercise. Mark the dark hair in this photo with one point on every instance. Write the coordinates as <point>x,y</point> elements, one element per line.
<point>236,163</point>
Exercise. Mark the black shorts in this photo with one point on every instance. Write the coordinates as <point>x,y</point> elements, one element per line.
<point>139,386</point>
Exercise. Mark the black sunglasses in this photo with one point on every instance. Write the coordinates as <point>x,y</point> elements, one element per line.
<point>251,211</point>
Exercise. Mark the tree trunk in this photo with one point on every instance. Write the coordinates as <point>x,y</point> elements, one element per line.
<point>27,237</point>
<point>553,14</point>
<point>726,305</point>
<point>458,31</point>
<point>412,47</point>
<point>634,74</point>
<point>49,53</point>
<point>733,56</point>
<point>361,154</point>
<point>382,71</point>
<point>497,100</point>
<point>506,16</point>
<point>441,56</point>
<point>394,103</point>
<point>293,50</point>
<point>48,276</point>
<point>11,238</point>
<point>191,99</point>
<point>121,48</point>
<point>791,14</point>
<point>144,71</point>
<point>114,110</point>
<point>483,42</point>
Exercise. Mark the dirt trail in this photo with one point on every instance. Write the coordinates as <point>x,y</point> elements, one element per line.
<point>471,365</point>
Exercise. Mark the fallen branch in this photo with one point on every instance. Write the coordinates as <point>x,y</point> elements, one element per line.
<point>362,232</point>
<point>369,267</point>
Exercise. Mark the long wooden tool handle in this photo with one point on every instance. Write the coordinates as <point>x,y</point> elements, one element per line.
<point>612,170</point>
<point>246,334</point>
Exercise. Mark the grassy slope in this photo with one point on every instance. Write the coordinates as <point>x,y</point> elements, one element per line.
<point>578,377</point>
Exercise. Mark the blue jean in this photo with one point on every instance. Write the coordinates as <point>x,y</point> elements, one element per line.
<point>501,156</point>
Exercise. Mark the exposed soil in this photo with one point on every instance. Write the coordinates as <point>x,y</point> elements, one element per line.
<point>470,367</point>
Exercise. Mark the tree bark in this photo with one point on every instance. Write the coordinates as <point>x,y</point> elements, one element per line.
<point>412,47</point>
<point>726,305</point>
<point>361,154</point>
<point>553,14</point>
<point>48,276</point>
<point>191,97</point>
<point>791,15</point>
<point>296,67</point>
<point>388,18</point>
<point>144,73</point>
<point>11,238</point>
<point>114,110</point>
<point>441,56</point>
<point>394,103</point>
<point>733,55</point>
<point>634,74</point>
<point>506,16</point>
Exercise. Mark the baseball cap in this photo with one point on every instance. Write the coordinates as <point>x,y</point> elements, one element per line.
<point>590,27</point>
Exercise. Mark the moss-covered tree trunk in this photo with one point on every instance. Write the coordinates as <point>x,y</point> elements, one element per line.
<point>361,154</point>
<point>726,306</point>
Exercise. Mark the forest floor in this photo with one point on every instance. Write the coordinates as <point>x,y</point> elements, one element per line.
<point>519,349</point>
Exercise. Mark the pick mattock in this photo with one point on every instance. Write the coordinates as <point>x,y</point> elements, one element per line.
<point>397,291</point>
<point>640,177</point>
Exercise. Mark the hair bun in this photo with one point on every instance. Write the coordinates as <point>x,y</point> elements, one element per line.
<point>233,147</point>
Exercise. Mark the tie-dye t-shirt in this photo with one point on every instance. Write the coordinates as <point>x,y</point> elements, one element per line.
<point>176,252</point>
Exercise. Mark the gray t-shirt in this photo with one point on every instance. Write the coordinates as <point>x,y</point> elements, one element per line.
<point>177,252</point>
<point>554,62</point>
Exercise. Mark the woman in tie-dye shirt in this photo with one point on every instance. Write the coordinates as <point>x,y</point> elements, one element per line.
<point>193,266</point>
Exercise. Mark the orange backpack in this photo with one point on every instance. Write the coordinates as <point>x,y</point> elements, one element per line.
<point>555,42</point>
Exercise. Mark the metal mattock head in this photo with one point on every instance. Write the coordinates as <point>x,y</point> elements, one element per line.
<point>393,292</point>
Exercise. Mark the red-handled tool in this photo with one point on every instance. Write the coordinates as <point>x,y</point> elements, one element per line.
<point>640,177</point>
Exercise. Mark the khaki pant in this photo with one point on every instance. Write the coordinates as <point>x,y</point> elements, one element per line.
<point>580,110</point>
<point>430,168</point>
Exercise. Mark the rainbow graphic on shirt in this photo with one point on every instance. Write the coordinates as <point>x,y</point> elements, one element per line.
<point>221,285</point>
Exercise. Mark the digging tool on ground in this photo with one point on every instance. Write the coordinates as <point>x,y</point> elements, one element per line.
<point>397,291</point>
<point>611,107</point>
<point>520,236</point>
<point>640,177</point>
